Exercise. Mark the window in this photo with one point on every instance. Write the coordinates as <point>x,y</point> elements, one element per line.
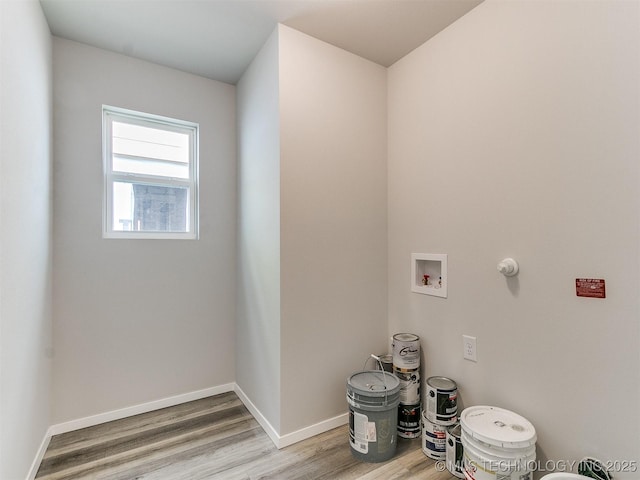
<point>150,176</point>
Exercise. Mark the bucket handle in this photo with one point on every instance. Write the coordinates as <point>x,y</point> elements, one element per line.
<point>384,375</point>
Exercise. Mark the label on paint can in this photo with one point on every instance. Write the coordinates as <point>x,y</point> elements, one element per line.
<point>409,387</point>
<point>406,351</point>
<point>454,452</point>
<point>361,431</point>
<point>409,421</point>
<point>434,439</point>
<point>442,400</point>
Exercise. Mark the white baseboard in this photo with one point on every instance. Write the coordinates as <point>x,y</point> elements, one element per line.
<point>281,441</point>
<point>257,414</point>
<point>313,430</point>
<point>39,455</point>
<point>138,409</point>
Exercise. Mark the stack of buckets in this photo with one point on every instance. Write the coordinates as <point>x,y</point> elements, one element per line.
<point>440,431</point>
<point>489,443</point>
<point>406,366</point>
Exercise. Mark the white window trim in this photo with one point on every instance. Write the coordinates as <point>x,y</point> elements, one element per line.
<point>109,114</point>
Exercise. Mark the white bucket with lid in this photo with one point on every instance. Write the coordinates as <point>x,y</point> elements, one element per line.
<point>498,444</point>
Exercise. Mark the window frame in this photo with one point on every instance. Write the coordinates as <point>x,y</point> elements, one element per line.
<point>111,114</point>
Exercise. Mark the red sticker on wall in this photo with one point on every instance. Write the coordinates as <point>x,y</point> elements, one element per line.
<point>590,287</point>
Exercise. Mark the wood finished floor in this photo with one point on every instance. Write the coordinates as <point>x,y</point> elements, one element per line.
<point>216,438</point>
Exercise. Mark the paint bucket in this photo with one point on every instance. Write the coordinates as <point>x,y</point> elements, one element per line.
<point>409,386</point>
<point>454,451</point>
<point>434,439</point>
<point>387,362</point>
<point>373,398</point>
<point>406,351</point>
<point>442,403</point>
<point>497,443</point>
<point>409,421</point>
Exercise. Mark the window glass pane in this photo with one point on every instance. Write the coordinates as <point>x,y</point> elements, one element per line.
<point>139,141</point>
<point>122,207</point>
<point>150,208</point>
<point>150,167</point>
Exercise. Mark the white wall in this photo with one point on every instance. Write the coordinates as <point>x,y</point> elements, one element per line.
<point>258,321</point>
<point>333,223</point>
<point>138,320</point>
<point>25,234</point>
<point>514,132</point>
<point>312,227</point>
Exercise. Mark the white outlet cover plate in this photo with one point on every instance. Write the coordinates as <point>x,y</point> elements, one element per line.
<point>469,351</point>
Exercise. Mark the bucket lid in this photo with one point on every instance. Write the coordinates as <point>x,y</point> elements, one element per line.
<point>374,383</point>
<point>498,427</point>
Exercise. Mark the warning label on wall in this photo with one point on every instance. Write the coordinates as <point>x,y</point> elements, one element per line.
<point>590,287</point>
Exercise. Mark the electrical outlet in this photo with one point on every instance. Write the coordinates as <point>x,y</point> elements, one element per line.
<point>469,348</point>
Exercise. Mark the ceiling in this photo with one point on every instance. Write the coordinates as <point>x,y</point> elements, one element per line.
<point>218,39</point>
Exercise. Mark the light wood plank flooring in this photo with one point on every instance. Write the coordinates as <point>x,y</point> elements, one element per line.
<point>216,438</point>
